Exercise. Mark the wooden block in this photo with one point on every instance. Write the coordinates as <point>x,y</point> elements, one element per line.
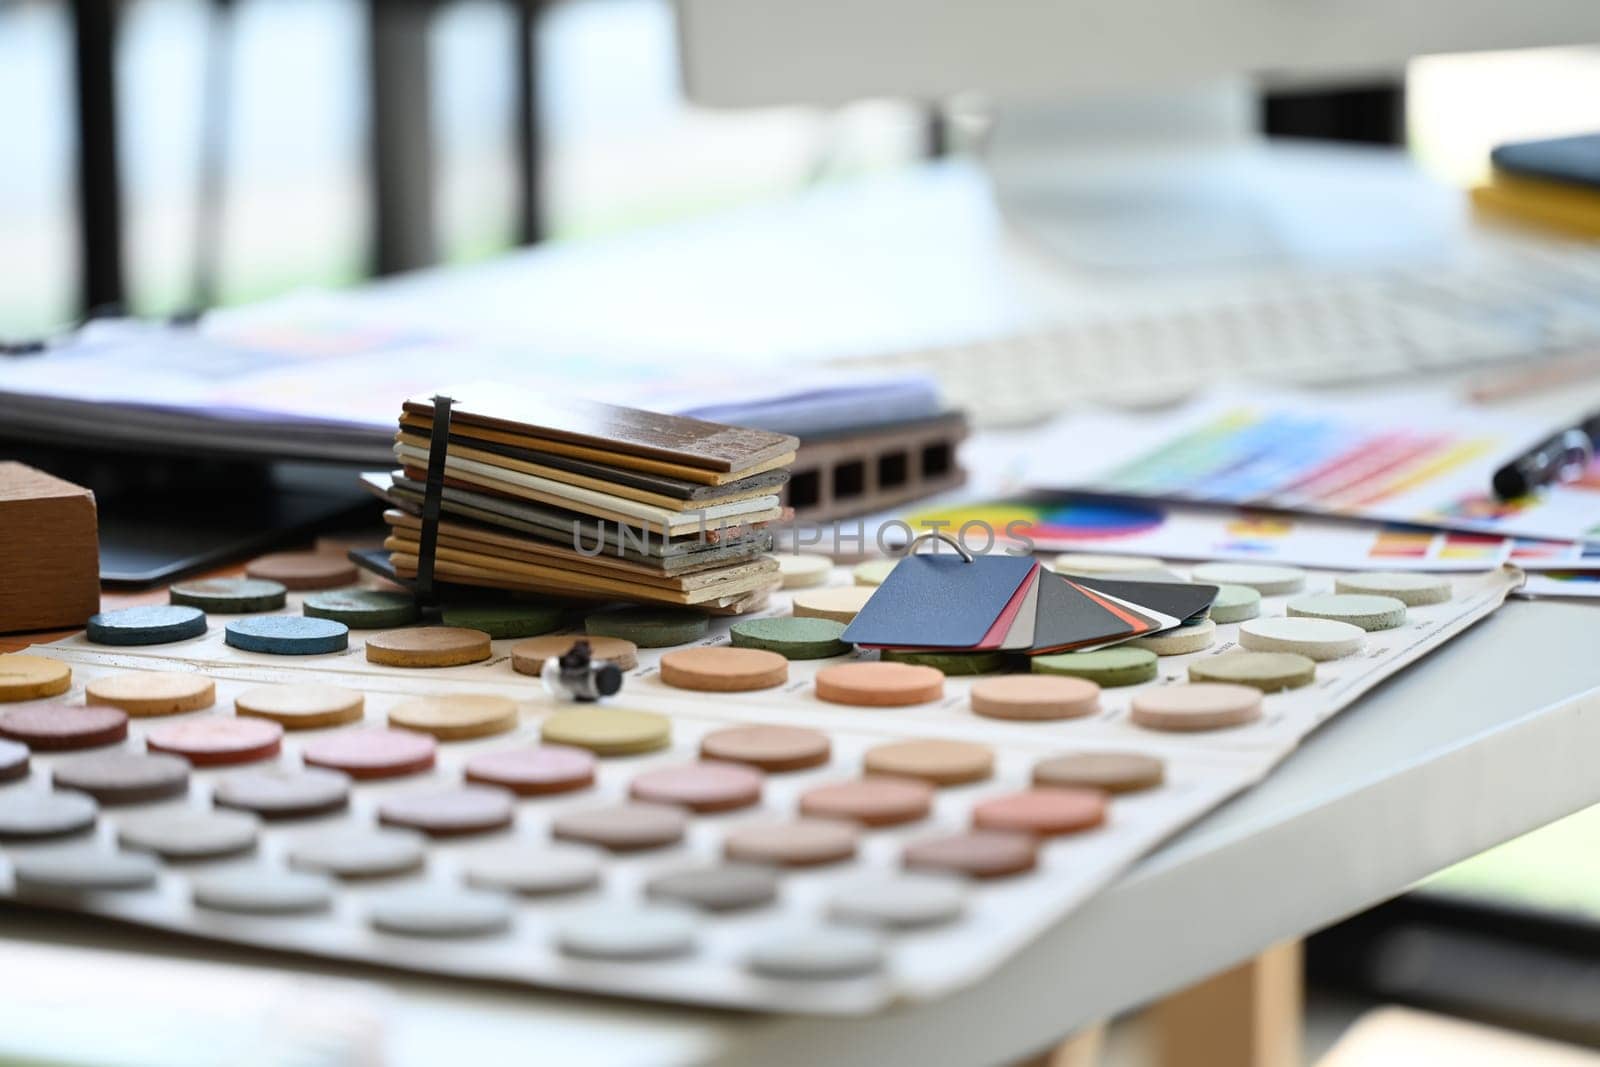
<point>49,551</point>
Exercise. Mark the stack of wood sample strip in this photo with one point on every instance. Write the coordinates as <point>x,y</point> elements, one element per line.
<point>589,500</point>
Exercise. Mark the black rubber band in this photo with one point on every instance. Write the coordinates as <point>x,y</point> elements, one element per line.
<point>433,500</point>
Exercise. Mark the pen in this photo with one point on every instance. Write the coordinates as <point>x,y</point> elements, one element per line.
<point>1561,458</point>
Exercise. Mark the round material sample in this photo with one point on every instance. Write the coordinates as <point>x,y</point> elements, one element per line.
<point>469,809</point>
<point>61,727</point>
<point>143,693</point>
<point>154,624</point>
<point>1412,590</point>
<point>440,913</point>
<point>84,869</point>
<point>839,603</point>
<point>873,572</point>
<point>1180,641</point>
<point>1269,672</point>
<point>627,933</point>
<point>608,731</point>
<point>1113,772</point>
<point>802,570</point>
<point>799,843</point>
<point>513,619</point>
<point>940,762</point>
<point>820,953</point>
<point>362,609</point>
<point>215,740</point>
<point>1196,706</point>
<point>229,596</point>
<point>1235,603</point>
<point>188,834</point>
<point>527,657</point>
<point>32,677</point>
<point>791,637</point>
<point>1317,639</point>
<point>13,760</point>
<point>428,646</point>
<point>1107,667</point>
<point>262,891</point>
<point>456,716</point>
<point>279,792</point>
<point>951,664</point>
<point>700,787</point>
<point>1264,578</point>
<point>1358,609</point>
<point>30,814</point>
<point>287,635</point>
<point>726,887</point>
<point>769,748</point>
<point>533,871</point>
<point>372,753</point>
<point>977,854</point>
<point>622,827</point>
<point>870,801</point>
<point>534,771</point>
<point>649,627</point>
<point>360,853</point>
<point>304,570</point>
<point>1043,812</point>
<point>879,685</point>
<point>899,902</point>
<point>720,669</point>
<point>1090,564</point>
<point>1035,697</point>
<point>301,705</point>
<point>123,777</point>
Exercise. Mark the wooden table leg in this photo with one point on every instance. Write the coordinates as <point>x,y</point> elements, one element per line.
<point>1082,1049</point>
<point>1249,1016</point>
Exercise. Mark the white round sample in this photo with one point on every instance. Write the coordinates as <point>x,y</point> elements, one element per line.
<point>822,953</point>
<point>1365,610</point>
<point>1179,640</point>
<point>899,902</point>
<point>260,891</point>
<point>622,933</point>
<point>1266,579</point>
<point>441,913</point>
<point>1318,639</point>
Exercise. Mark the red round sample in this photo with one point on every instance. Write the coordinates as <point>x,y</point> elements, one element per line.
<point>216,740</point>
<point>59,727</point>
<point>372,753</point>
<point>1045,812</point>
<point>534,771</point>
<point>699,786</point>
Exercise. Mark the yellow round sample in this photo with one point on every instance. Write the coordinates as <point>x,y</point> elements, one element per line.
<point>31,677</point>
<point>608,731</point>
<point>152,692</point>
<point>457,716</point>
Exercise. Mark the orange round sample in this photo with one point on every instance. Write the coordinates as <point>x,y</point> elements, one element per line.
<point>699,786</point>
<point>771,748</point>
<point>937,761</point>
<point>724,669</point>
<point>870,801</point>
<point>979,854</point>
<point>429,646</point>
<point>879,685</point>
<point>1045,812</point>
<point>1197,706</point>
<point>801,843</point>
<point>1035,697</point>
<point>304,570</point>
<point>212,741</point>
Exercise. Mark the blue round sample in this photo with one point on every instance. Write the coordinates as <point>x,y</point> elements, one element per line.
<point>155,624</point>
<point>288,635</point>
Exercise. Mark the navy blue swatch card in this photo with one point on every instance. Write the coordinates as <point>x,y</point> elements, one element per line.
<point>932,601</point>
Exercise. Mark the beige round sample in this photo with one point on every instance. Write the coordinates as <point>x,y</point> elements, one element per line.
<point>874,571</point>
<point>1114,772</point>
<point>1089,563</point>
<point>1316,639</point>
<point>428,646</point>
<point>941,762</point>
<point>143,693</point>
<point>803,570</point>
<point>1264,578</point>
<point>800,843</point>
<point>1035,697</point>
<point>840,603</point>
<point>1366,610</point>
<point>1412,590</point>
<point>528,656</point>
<point>723,669</point>
<point>1180,640</point>
<point>1196,706</point>
<point>1266,671</point>
<point>301,705</point>
<point>456,716</point>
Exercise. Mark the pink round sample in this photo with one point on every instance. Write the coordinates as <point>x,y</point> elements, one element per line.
<point>534,771</point>
<point>372,753</point>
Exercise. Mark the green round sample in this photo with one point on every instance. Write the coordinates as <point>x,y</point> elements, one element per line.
<point>791,637</point>
<point>1235,603</point>
<point>950,663</point>
<point>1108,666</point>
<point>362,609</point>
<point>229,596</point>
<point>1412,590</point>
<point>515,619</point>
<point>1369,612</point>
<point>1269,672</point>
<point>649,627</point>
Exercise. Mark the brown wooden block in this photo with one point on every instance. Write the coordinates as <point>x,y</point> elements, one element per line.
<point>49,551</point>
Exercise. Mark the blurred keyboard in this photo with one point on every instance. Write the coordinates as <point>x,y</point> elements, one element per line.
<point>1521,306</point>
